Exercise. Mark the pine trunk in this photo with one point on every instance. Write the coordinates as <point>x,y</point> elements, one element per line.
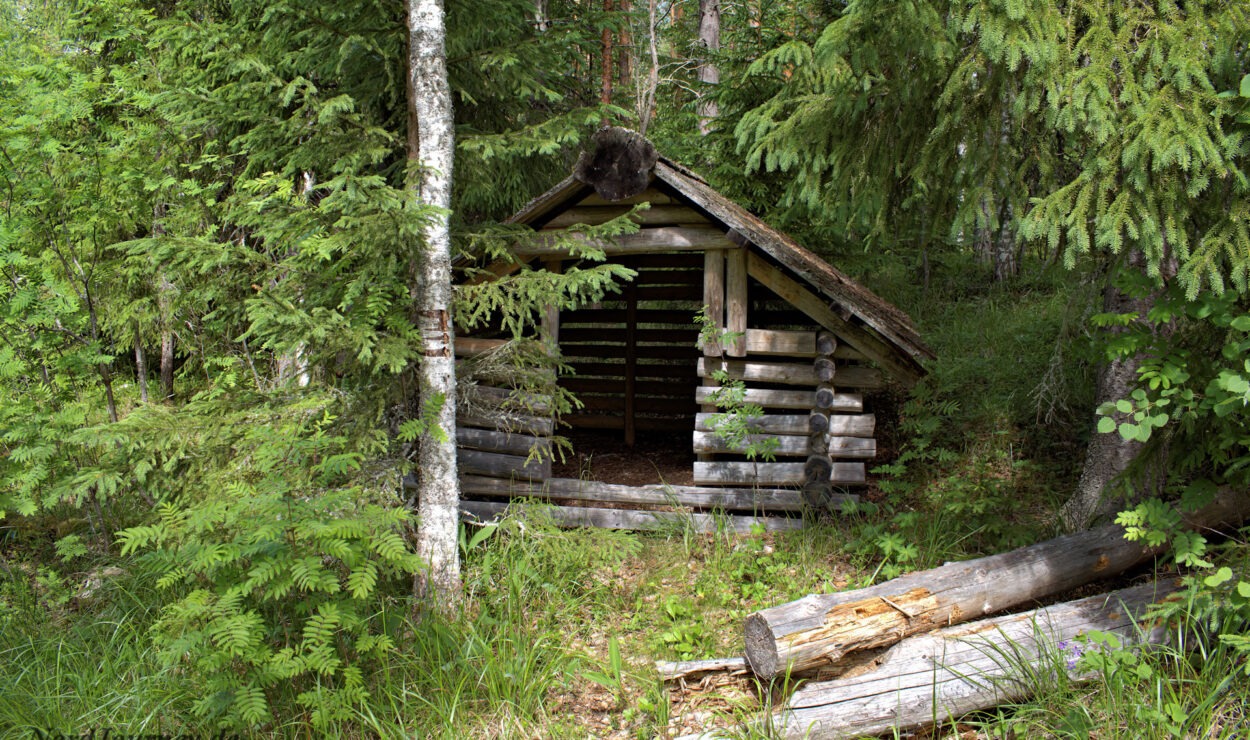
<point>430,171</point>
<point>709,39</point>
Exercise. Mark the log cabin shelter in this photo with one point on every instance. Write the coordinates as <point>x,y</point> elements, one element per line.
<point>805,340</point>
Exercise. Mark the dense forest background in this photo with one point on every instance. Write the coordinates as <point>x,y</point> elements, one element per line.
<point>209,243</point>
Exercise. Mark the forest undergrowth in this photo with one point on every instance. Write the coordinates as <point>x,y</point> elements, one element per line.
<point>559,630</point>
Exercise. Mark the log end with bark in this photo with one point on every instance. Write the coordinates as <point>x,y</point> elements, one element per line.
<point>620,165</point>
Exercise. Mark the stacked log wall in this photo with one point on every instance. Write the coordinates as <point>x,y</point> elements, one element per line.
<point>810,389</point>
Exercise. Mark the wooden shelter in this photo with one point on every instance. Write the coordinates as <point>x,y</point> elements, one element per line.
<point>806,340</point>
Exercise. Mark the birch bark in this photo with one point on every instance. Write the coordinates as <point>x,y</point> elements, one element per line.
<point>430,171</point>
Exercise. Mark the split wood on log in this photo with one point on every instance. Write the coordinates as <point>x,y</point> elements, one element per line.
<point>777,399</point>
<point>950,672</point>
<point>820,629</point>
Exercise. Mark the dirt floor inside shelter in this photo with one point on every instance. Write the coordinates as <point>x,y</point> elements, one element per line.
<point>601,455</point>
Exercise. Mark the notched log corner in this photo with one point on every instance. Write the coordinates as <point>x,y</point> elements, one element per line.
<point>620,165</point>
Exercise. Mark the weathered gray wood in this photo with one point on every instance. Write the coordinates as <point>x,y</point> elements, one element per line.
<point>471,346</point>
<point>656,215</point>
<point>714,297</point>
<point>946,674</point>
<point>585,516</point>
<point>510,422</point>
<point>736,301</point>
<point>789,445</point>
<point>772,474</point>
<point>822,628</point>
<point>825,369</point>
<point>826,397</point>
<point>650,195</point>
<point>789,373</point>
<point>496,465</point>
<point>509,399</point>
<point>678,670</point>
<point>574,489</point>
<point>490,440</point>
<point>778,342</point>
<point>826,343</point>
<point>779,399</point>
<point>643,241</point>
<point>860,337</point>
<point>842,425</point>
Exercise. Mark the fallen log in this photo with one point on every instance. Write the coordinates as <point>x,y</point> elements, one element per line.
<point>943,675</point>
<point>676,670</point>
<point>820,629</point>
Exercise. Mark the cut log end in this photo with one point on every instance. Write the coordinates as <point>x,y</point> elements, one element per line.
<point>761,647</point>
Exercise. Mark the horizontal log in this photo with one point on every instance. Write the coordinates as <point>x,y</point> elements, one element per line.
<point>686,337</point>
<point>673,423</point>
<point>615,386</point>
<point>842,425</point>
<point>680,670</point>
<point>778,342</point>
<point>695,497</point>
<point>668,277</point>
<point>645,404</point>
<point>785,445</point>
<point>787,399</point>
<point>616,317</point>
<point>822,628</point>
<point>772,474</point>
<point>472,346</point>
<point>580,516</point>
<point>640,351</point>
<point>491,440</point>
<point>669,293</point>
<point>686,260</point>
<point>509,422</point>
<point>654,216</point>
<point>650,195</point>
<point>495,465</point>
<point>788,373</point>
<point>641,370</point>
<point>645,240</point>
<point>943,675</point>
<point>506,398</point>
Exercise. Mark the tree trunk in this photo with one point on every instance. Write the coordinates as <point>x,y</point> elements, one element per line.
<point>1109,455</point>
<point>946,674</point>
<point>430,171</point>
<point>709,39</point>
<point>821,629</point>
<point>141,365</point>
<point>605,85</point>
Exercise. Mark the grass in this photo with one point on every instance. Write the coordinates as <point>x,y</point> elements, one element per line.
<point>559,629</point>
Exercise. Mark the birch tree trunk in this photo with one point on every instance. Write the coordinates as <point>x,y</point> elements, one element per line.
<point>430,171</point>
<point>709,39</point>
